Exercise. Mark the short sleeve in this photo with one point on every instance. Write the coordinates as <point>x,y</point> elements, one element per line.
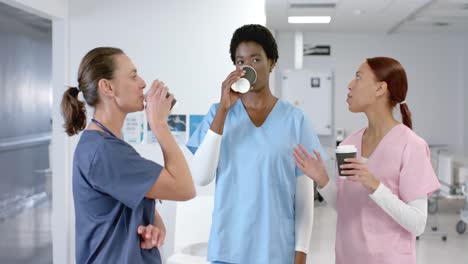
<point>417,177</point>
<point>119,171</point>
<point>199,134</point>
<point>309,139</point>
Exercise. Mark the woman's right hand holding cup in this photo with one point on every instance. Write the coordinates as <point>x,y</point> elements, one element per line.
<point>313,168</point>
<point>157,105</point>
<point>228,96</point>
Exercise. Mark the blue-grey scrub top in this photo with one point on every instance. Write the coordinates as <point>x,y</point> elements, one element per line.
<point>110,180</point>
<point>253,216</point>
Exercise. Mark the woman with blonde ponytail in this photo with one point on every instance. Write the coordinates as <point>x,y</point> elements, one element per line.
<point>382,200</point>
<point>114,188</point>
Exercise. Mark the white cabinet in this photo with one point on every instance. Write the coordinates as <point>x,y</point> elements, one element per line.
<point>311,90</point>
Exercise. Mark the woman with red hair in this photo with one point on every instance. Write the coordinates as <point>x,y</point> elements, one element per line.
<point>382,203</point>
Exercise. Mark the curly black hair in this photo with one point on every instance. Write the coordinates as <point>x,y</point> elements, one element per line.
<point>258,34</point>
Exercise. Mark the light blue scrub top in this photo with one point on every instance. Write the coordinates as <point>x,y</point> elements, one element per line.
<point>253,217</point>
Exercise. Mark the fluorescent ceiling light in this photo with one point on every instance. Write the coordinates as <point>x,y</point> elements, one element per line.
<point>309,19</point>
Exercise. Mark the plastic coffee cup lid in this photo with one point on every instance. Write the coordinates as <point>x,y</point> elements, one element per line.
<point>346,149</point>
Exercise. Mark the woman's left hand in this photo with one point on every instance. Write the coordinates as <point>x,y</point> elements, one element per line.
<point>357,171</point>
<point>151,236</point>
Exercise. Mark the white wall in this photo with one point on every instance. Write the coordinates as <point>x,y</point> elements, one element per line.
<point>434,66</point>
<point>184,43</point>
<point>61,152</point>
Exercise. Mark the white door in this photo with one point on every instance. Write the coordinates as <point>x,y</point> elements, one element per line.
<point>311,91</point>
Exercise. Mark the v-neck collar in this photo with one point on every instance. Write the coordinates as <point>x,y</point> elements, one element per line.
<point>376,149</point>
<point>265,122</point>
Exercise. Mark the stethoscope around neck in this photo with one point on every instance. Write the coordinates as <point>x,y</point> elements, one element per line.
<point>103,127</point>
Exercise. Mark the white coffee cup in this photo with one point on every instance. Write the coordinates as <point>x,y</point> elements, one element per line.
<point>243,84</point>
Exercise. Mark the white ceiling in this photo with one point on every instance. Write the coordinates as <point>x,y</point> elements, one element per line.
<point>373,16</point>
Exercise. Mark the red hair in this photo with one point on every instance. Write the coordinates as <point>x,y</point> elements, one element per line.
<point>391,71</point>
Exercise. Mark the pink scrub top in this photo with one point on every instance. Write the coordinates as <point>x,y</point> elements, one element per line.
<point>365,232</point>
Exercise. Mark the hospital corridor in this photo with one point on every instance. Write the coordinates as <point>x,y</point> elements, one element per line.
<point>233,132</point>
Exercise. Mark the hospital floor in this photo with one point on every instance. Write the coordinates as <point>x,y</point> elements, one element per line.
<point>26,238</point>
<point>430,248</point>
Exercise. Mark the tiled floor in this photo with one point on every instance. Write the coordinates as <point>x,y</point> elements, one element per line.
<point>27,238</point>
<point>430,247</point>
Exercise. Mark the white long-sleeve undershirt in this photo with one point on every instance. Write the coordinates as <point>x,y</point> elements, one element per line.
<point>412,215</point>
